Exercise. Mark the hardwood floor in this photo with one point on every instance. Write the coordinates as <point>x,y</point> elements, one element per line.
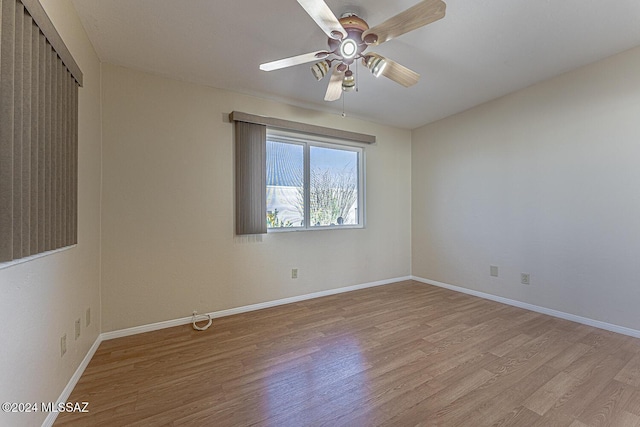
<point>397,355</point>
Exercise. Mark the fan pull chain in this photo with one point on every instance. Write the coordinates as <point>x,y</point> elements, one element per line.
<point>357,78</point>
<point>344,94</point>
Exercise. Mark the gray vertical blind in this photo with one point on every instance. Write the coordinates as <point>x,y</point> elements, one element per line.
<point>251,178</point>
<point>38,133</point>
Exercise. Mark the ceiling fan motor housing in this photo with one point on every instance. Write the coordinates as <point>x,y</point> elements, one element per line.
<point>320,69</point>
<point>354,26</point>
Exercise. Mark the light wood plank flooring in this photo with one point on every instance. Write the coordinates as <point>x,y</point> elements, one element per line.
<point>398,355</point>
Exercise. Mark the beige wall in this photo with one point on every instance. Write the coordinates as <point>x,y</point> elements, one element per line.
<point>40,299</point>
<point>543,181</point>
<point>168,231</point>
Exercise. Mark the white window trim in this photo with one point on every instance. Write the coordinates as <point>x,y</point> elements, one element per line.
<point>308,141</point>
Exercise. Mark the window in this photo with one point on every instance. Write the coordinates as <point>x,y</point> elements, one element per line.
<point>313,184</point>
<point>319,166</point>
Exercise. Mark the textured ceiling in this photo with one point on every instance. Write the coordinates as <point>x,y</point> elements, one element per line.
<point>481,50</point>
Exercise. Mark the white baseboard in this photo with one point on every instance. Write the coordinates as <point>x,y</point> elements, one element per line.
<point>555,313</point>
<point>244,309</point>
<point>64,396</point>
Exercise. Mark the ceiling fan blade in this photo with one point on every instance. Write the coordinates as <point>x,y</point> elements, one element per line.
<point>398,73</point>
<point>423,13</point>
<point>294,60</point>
<point>334,90</point>
<point>324,17</point>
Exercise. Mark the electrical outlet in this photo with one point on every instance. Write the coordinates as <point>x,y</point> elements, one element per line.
<point>63,345</point>
<point>294,273</point>
<point>87,317</point>
<point>493,270</point>
<point>524,278</point>
<point>77,328</point>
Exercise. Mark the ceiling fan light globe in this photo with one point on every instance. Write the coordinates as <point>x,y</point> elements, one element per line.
<point>348,83</point>
<point>376,64</point>
<point>320,69</point>
<point>379,68</point>
<point>348,49</point>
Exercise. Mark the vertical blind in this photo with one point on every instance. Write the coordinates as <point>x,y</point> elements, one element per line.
<point>251,178</point>
<point>39,83</point>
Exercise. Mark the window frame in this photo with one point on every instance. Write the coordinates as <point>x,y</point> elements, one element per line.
<point>308,141</point>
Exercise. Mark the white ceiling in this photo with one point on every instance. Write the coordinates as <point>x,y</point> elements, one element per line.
<point>481,50</point>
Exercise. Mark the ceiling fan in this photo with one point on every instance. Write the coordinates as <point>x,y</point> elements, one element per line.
<point>350,36</point>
